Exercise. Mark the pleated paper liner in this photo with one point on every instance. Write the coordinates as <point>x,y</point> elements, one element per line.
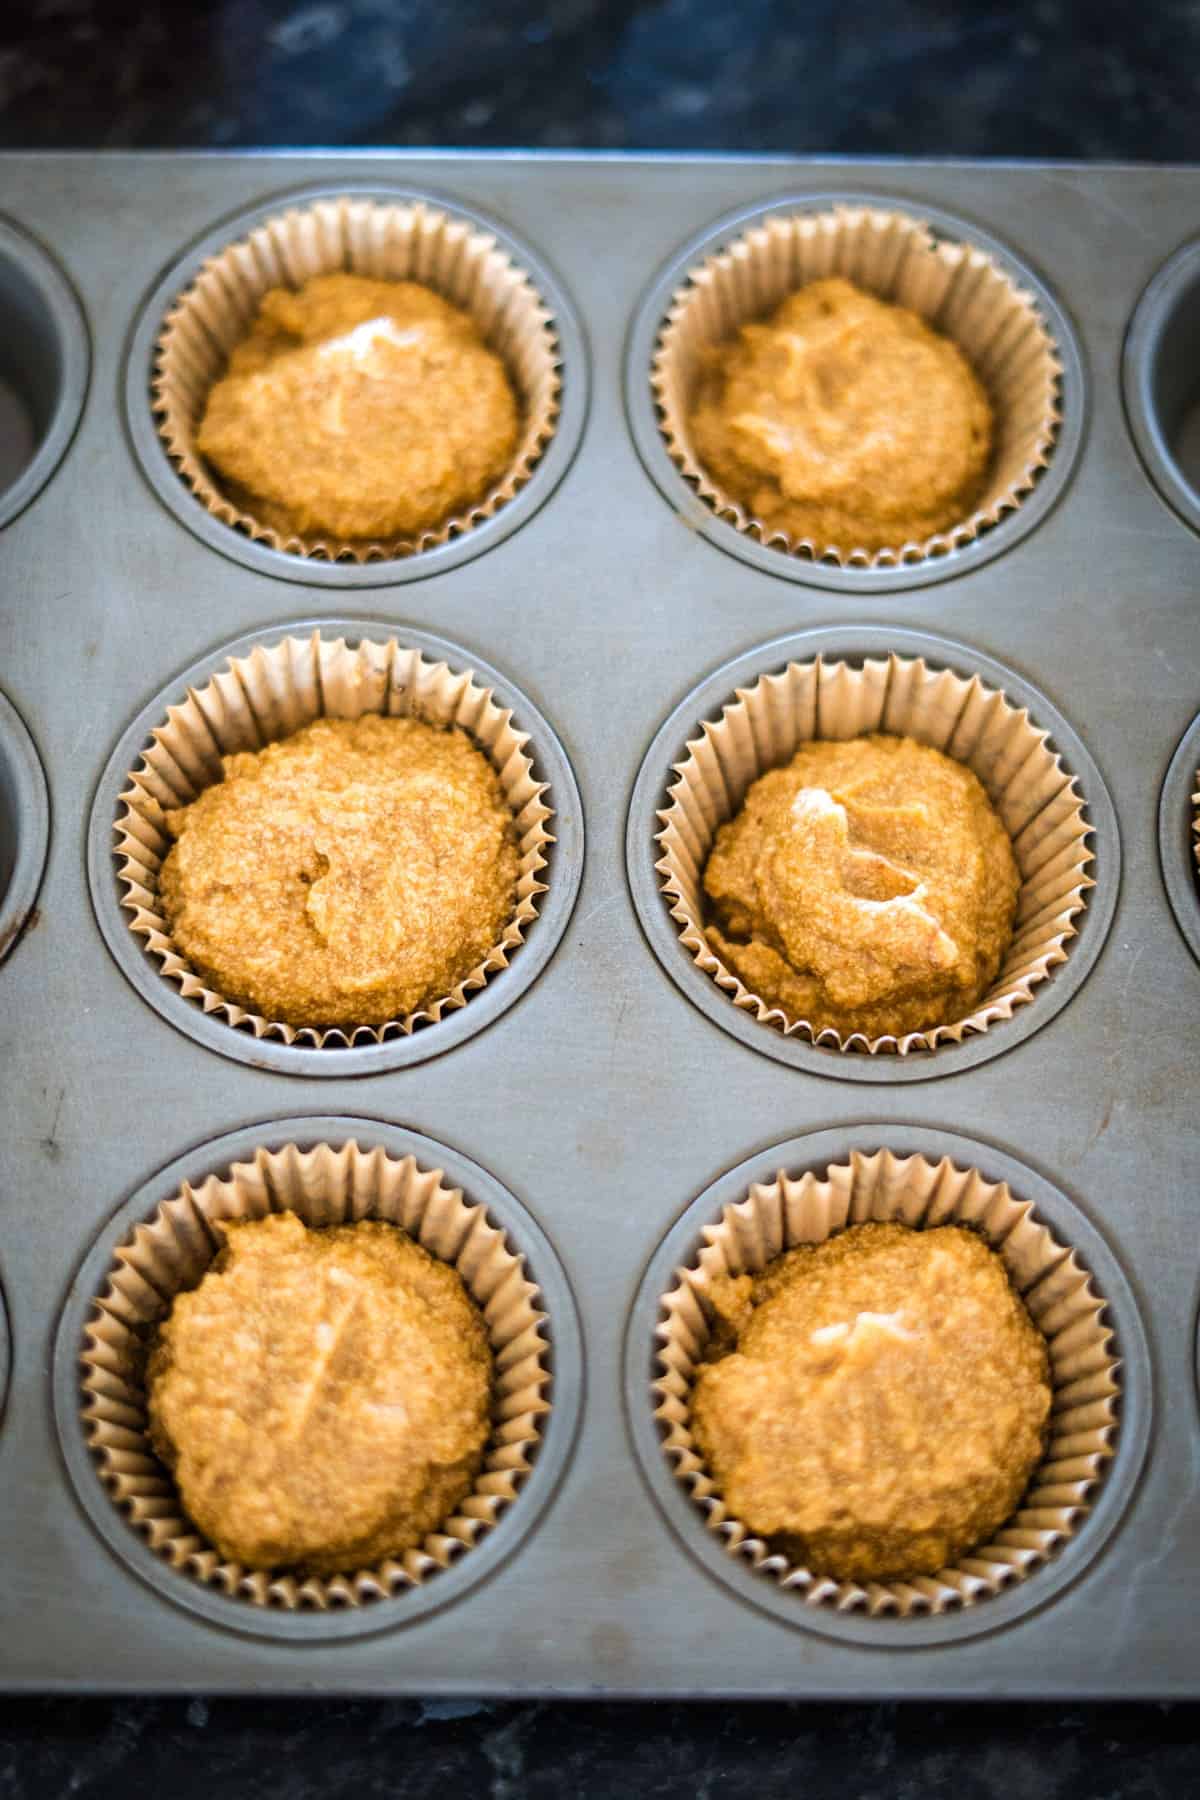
<point>958,289</point>
<point>1058,1291</point>
<point>397,242</point>
<point>324,1186</point>
<point>269,694</point>
<point>763,726</point>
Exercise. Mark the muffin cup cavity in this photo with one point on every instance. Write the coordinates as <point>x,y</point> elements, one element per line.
<point>5,1355</point>
<point>956,287</point>
<point>1059,1292</point>
<point>44,366</point>
<point>24,825</point>
<point>763,726</point>
<point>169,1253</point>
<point>1179,835</point>
<point>1158,376</point>
<point>387,241</point>
<point>268,693</point>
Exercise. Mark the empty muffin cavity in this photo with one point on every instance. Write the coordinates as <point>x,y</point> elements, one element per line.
<point>956,288</point>
<point>410,241</point>
<point>24,826</point>
<point>1162,395</point>
<point>44,365</point>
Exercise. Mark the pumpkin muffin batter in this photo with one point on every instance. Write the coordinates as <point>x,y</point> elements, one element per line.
<point>323,1398</point>
<point>367,409</point>
<point>868,886</point>
<point>347,875</point>
<point>884,1405</point>
<point>844,420</point>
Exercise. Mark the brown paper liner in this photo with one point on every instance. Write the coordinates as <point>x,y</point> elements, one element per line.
<point>400,242</point>
<point>763,727</point>
<point>957,289</point>
<point>268,694</point>
<point>323,1186</point>
<point>1057,1290</point>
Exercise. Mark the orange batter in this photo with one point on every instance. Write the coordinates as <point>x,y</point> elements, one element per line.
<point>868,886</point>
<point>347,875</point>
<point>844,420</point>
<point>884,1404</point>
<point>323,1398</point>
<point>366,409</point>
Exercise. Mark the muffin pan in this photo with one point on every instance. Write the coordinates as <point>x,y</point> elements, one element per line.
<point>602,1097</point>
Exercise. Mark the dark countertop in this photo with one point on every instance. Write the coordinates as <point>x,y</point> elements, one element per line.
<point>906,77</point>
<point>416,1750</point>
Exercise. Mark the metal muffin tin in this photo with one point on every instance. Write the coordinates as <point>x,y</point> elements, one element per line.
<point>602,1099</point>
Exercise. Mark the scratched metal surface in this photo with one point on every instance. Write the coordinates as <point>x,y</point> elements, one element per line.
<point>603,1099</point>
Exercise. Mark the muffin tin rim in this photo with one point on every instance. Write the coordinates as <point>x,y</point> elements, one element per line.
<point>567,1364</point>
<point>42,269</point>
<point>20,754</point>
<point>860,642</point>
<point>642,339</point>
<point>6,1353</point>
<point>311,571</point>
<point>1149,316</point>
<point>564,873</point>
<point>1068,1222</point>
<point>1177,813</point>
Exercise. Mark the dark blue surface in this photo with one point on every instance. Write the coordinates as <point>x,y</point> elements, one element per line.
<point>911,77</point>
<point>1107,79</point>
<point>414,1750</point>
